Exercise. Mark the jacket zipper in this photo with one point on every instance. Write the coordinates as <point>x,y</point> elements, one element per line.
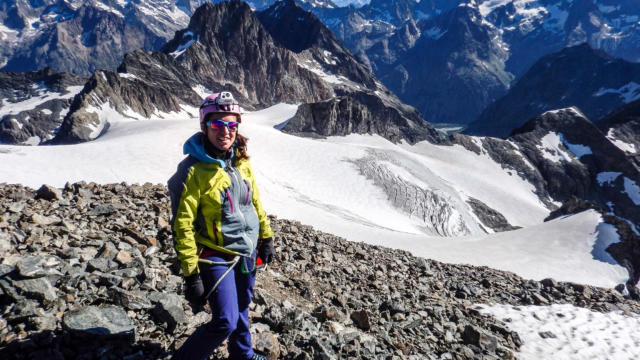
<point>244,221</point>
<point>246,201</point>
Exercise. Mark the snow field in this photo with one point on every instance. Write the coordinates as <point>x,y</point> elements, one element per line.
<point>569,332</point>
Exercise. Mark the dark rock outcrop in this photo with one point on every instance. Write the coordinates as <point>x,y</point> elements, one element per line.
<point>34,104</point>
<point>80,41</point>
<point>460,61</point>
<point>490,217</point>
<point>596,86</point>
<point>366,114</point>
<point>622,127</point>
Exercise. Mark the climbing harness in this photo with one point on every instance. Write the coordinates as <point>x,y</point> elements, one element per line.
<point>243,268</point>
<point>209,262</point>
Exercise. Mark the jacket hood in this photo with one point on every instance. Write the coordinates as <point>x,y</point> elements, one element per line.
<point>194,146</point>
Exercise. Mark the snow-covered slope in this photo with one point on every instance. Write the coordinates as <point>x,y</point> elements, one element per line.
<point>322,183</point>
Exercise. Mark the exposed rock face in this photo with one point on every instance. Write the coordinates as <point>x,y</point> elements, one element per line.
<point>574,157</point>
<point>323,297</point>
<point>90,38</point>
<point>308,33</point>
<point>622,127</point>
<point>459,62</point>
<point>33,104</point>
<point>226,46</point>
<point>564,155</point>
<point>490,217</point>
<point>366,114</point>
<point>598,86</point>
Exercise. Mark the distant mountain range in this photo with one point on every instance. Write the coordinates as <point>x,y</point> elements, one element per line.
<point>431,53</point>
<point>229,46</point>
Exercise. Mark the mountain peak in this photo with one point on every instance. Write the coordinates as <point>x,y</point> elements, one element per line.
<point>304,32</point>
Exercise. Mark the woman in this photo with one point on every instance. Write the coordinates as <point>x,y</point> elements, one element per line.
<point>218,223</point>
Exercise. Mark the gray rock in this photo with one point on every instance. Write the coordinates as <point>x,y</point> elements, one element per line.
<point>547,335</point>
<point>168,309</point>
<point>101,264</point>
<point>6,269</point>
<point>25,309</point>
<point>102,209</point>
<point>132,300</point>
<point>45,220</point>
<point>47,192</point>
<point>108,251</point>
<point>40,289</point>
<point>478,337</point>
<point>99,322</point>
<point>16,207</point>
<point>267,344</point>
<point>361,319</point>
<point>42,323</point>
<point>38,266</point>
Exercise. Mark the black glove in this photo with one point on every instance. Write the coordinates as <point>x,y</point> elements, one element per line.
<point>266,251</point>
<point>194,291</point>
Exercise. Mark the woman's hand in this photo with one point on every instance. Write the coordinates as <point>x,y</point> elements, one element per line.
<point>266,250</point>
<point>194,290</point>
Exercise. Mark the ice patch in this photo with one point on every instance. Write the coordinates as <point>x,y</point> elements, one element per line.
<point>128,76</point>
<point>605,9</point>
<point>184,46</point>
<point>607,177</point>
<point>577,149</point>
<point>629,92</point>
<point>32,141</point>
<point>202,91</point>
<point>626,147</point>
<point>488,6</point>
<point>330,78</point>
<point>632,189</point>
<point>435,33</point>
<point>607,235</point>
<point>46,111</point>
<point>552,150</point>
<point>576,333</point>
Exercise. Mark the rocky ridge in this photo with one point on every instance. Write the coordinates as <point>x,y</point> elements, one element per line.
<point>77,37</point>
<point>89,256</point>
<point>622,127</point>
<point>495,42</point>
<point>34,104</point>
<point>597,87</point>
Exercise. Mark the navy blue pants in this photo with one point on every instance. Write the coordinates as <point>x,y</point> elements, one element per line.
<point>230,312</point>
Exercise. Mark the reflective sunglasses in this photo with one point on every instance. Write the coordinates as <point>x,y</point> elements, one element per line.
<point>232,126</point>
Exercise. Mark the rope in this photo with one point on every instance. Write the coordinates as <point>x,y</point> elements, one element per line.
<point>209,262</point>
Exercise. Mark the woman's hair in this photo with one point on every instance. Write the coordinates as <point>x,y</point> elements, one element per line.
<point>241,147</point>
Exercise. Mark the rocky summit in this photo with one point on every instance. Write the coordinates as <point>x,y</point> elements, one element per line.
<point>89,272</point>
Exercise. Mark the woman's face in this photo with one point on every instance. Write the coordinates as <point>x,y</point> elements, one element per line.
<point>222,138</point>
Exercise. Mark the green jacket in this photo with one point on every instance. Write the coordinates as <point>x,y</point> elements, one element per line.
<point>215,204</point>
